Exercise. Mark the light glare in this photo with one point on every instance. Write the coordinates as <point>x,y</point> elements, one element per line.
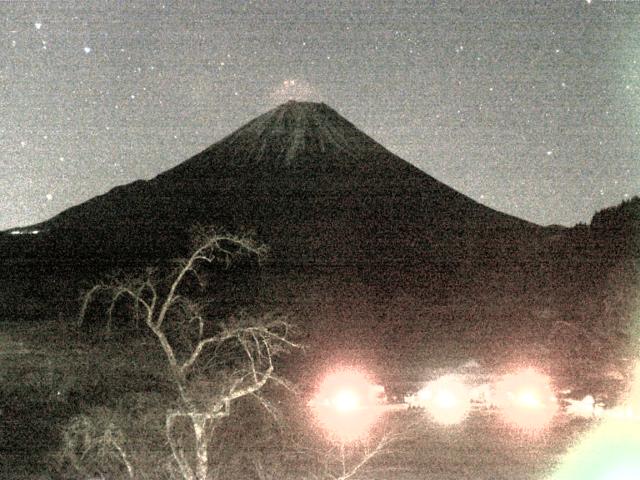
<point>346,405</point>
<point>529,398</point>
<point>346,401</point>
<point>624,472</point>
<point>447,400</point>
<point>526,400</point>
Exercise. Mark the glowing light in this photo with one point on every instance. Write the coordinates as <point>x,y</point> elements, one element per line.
<point>529,398</point>
<point>608,453</point>
<point>424,394</point>
<point>526,400</point>
<point>584,408</point>
<point>447,400</point>
<point>346,405</point>
<point>624,472</point>
<point>346,401</point>
<point>294,89</point>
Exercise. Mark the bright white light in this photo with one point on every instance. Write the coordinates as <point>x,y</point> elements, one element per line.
<point>583,408</point>
<point>623,472</point>
<point>526,399</point>
<point>87,49</point>
<point>424,394</point>
<point>346,401</point>
<point>529,398</point>
<point>621,412</point>
<point>345,404</point>
<point>38,25</point>
<point>447,400</point>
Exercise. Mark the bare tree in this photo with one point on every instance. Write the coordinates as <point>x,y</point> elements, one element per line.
<point>211,364</point>
<point>349,461</point>
<point>93,443</point>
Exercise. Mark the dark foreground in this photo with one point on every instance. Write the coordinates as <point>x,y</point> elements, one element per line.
<point>483,447</point>
<point>34,409</point>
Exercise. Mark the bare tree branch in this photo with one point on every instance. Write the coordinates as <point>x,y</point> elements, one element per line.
<point>178,455</point>
<point>172,317</point>
<point>86,300</point>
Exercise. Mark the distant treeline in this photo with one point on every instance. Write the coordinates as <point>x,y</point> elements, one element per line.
<point>623,217</point>
<point>620,225</point>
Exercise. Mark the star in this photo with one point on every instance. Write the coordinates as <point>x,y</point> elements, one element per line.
<point>49,197</point>
<point>375,82</point>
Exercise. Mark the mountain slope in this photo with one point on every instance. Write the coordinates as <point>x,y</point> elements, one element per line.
<point>309,184</point>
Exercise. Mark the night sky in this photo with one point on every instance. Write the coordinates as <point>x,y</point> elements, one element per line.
<point>532,108</point>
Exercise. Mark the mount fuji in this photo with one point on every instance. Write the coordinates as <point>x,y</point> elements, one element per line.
<point>303,180</point>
